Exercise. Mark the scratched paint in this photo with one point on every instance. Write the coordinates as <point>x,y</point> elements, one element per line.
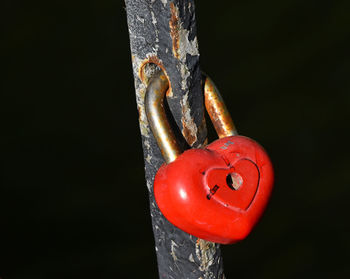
<point>159,35</point>
<point>181,47</point>
<point>189,129</point>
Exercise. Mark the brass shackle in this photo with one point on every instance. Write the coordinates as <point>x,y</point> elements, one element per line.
<point>155,112</point>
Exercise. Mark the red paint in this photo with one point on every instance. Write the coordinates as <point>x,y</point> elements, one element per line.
<point>193,194</point>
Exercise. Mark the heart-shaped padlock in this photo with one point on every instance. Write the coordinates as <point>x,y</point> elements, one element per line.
<point>217,193</point>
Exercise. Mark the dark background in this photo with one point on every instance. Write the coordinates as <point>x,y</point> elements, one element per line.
<point>73,203</point>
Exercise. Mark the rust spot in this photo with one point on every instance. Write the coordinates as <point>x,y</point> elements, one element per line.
<point>190,138</point>
<point>145,78</point>
<point>174,24</point>
<point>217,111</point>
<point>150,60</point>
<point>187,130</point>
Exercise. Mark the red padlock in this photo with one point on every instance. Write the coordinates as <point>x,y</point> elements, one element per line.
<point>217,193</point>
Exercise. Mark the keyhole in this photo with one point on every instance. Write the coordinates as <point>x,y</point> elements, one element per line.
<point>234,181</point>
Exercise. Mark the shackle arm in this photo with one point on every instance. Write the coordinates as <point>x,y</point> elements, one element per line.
<point>157,118</point>
<point>165,137</point>
<point>217,110</point>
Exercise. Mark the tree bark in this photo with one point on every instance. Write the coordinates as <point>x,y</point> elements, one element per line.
<point>163,35</point>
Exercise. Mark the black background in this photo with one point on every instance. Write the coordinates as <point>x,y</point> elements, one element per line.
<point>73,202</point>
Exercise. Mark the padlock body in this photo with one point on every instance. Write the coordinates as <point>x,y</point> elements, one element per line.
<point>217,193</point>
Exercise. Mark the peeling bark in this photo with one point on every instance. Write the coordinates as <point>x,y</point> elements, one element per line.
<point>163,34</point>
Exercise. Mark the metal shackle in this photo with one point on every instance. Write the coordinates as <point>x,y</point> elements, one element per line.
<point>217,110</point>
<point>157,119</point>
